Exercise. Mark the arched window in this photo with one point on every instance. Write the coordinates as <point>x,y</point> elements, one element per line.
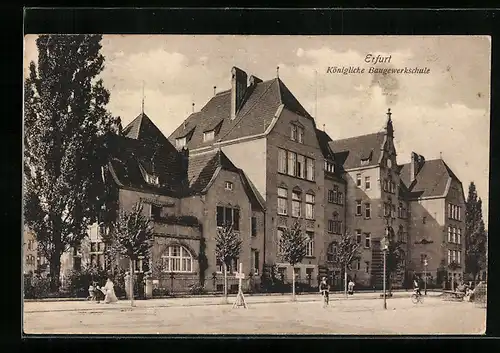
<point>331,255</point>
<point>177,258</point>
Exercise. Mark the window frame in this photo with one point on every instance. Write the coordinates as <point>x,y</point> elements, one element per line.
<point>170,259</point>
<point>208,136</point>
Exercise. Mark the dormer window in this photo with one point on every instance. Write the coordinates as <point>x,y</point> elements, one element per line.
<point>152,179</point>
<point>329,167</point>
<point>365,161</point>
<point>297,133</point>
<point>180,142</point>
<point>208,135</point>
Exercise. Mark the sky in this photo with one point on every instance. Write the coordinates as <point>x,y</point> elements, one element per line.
<point>443,113</point>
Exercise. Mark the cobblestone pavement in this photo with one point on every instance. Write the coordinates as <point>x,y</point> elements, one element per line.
<point>362,316</point>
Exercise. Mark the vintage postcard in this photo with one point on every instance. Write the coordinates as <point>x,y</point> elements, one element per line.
<point>248,185</point>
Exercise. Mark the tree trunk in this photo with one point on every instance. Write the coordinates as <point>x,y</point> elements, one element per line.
<point>345,280</point>
<point>293,285</point>
<point>54,270</point>
<point>225,284</point>
<point>131,284</point>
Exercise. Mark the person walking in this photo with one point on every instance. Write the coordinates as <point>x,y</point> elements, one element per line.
<point>109,291</point>
<point>350,287</point>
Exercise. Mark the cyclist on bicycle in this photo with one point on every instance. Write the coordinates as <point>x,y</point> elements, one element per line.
<point>416,287</point>
<point>324,289</point>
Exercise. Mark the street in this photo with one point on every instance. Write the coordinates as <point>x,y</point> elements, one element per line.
<point>277,316</point>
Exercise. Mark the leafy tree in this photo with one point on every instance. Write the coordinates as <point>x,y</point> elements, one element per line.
<point>347,252</point>
<point>227,249</point>
<point>475,234</point>
<point>130,236</point>
<point>64,120</point>
<point>293,246</point>
<point>395,257</point>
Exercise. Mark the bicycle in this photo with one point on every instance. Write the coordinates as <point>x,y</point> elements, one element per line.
<point>324,293</point>
<point>417,298</point>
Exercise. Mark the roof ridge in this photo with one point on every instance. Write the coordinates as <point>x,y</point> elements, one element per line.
<point>357,136</point>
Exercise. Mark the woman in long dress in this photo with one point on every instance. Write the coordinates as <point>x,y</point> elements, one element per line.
<point>109,291</point>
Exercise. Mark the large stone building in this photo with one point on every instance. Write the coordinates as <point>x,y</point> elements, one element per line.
<point>255,157</point>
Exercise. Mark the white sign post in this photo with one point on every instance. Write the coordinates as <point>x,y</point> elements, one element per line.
<point>240,298</point>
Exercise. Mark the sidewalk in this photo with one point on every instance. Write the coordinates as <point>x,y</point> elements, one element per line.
<point>68,305</point>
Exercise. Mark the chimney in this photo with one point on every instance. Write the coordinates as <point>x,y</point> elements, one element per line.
<point>253,80</point>
<point>238,88</point>
<point>416,164</point>
<point>184,152</point>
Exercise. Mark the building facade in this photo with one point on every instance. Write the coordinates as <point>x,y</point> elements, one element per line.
<point>254,157</point>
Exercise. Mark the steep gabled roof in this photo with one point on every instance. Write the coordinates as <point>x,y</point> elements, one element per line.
<point>260,104</point>
<point>204,167</point>
<point>431,180</point>
<point>130,158</point>
<point>142,128</point>
<point>351,151</point>
<point>324,139</point>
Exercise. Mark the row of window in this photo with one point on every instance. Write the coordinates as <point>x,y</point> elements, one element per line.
<point>368,183</point>
<point>329,166</point>
<point>336,196</point>
<point>368,238</point>
<point>232,267</point>
<point>295,164</point>
<point>31,244</point>
<point>454,256</point>
<point>454,212</point>
<point>296,203</point>
<point>454,235</point>
<point>30,260</point>
<point>368,209</point>
<point>228,216</point>
<point>309,244</point>
<point>335,225</point>
<point>389,186</point>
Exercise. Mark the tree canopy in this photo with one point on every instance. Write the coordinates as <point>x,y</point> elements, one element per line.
<point>64,121</point>
<point>293,244</point>
<point>475,234</point>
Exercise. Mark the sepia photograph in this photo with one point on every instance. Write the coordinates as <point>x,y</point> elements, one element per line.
<point>255,185</point>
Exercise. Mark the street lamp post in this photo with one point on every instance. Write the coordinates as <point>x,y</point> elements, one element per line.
<point>384,249</point>
<point>425,276</point>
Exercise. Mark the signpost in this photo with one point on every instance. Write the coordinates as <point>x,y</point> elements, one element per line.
<point>240,298</point>
<point>425,276</point>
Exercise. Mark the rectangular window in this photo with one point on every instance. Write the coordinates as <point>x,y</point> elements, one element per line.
<point>229,185</point>
<point>367,267</point>
<point>180,142</point>
<point>208,136</point>
<point>357,265</point>
<point>293,132</point>
<point>341,198</point>
<point>279,233</point>
<point>449,234</point>
<point>254,226</point>
<point>449,210</point>
<point>367,183</point>
<point>309,206</point>
<point>358,236</point>
<point>155,211</point>
<point>282,161</point>
<point>255,261</point>
<point>358,207</point>
<point>310,169</point>
<point>330,196</point>
<point>459,236</point>
<point>423,257</point>
<point>358,180</point>
<point>368,211</point>
<point>310,244</point>
<point>449,256</point>
<point>292,163</point>
<point>367,240</point>
<point>393,211</point>
<point>300,134</point>
<point>282,201</point>
<point>301,166</point>
<point>330,226</point>
<point>296,206</point>
<point>458,257</point>
<point>228,216</point>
